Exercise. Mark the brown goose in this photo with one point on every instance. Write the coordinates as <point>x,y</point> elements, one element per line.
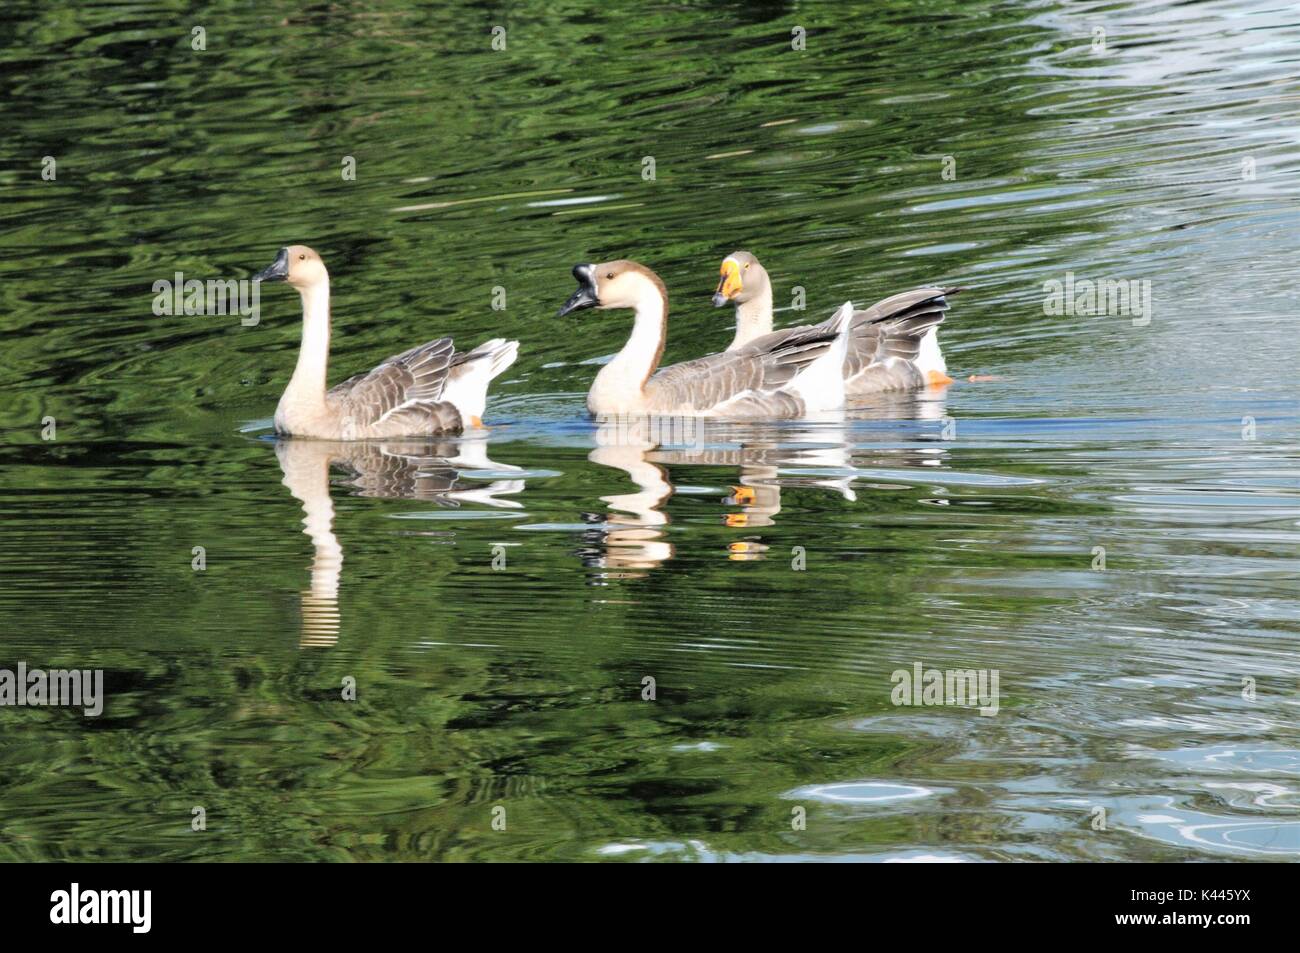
<point>429,390</point>
<point>893,345</point>
<point>795,376</point>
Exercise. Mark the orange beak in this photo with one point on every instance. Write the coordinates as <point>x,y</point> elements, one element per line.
<point>743,496</point>
<point>729,284</point>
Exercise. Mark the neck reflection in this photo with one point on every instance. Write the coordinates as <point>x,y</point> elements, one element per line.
<point>432,470</point>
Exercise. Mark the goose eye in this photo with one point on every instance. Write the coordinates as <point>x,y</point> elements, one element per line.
<point>747,268</point>
<point>610,276</point>
<point>302,257</point>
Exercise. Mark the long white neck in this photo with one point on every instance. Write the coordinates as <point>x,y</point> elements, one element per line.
<point>308,381</point>
<point>753,318</point>
<point>619,388</point>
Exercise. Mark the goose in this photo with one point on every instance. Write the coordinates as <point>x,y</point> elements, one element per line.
<point>893,345</point>
<point>429,390</point>
<point>795,376</point>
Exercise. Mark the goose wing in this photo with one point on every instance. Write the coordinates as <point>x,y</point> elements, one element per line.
<point>405,385</point>
<point>894,327</point>
<point>864,335</point>
<point>757,371</point>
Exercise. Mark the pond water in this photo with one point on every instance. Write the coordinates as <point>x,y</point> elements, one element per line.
<point>572,640</point>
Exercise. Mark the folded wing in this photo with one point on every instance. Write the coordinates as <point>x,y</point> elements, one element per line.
<point>751,380</point>
<point>407,387</point>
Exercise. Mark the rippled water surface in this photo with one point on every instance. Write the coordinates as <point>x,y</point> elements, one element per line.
<point>1107,518</point>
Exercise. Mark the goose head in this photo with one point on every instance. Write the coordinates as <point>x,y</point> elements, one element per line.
<point>742,279</point>
<point>614,284</point>
<point>298,265</point>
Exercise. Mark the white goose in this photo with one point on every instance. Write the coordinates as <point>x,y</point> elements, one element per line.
<point>796,376</point>
<point>429,390</point>
<point>893,345</point>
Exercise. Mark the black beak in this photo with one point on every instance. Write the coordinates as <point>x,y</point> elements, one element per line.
<point>585,296</point>
<point>719,299</point>
<point>278,270</point>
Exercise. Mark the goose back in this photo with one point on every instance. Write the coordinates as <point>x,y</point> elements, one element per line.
<point>403,395</point>
<point>751,381</point>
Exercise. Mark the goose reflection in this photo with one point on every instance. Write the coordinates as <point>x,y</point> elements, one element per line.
<point>767,462</point>
<point>918,405</point>
<point>400,469</point>
<point>928,451</point>
<point>631,538</point>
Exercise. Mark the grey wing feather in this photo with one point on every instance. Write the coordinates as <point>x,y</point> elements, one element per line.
<point>415,377</point>
<point>759,370</point>
<point>893,327</point>
<point>422,417</point>
<point>703,383</point>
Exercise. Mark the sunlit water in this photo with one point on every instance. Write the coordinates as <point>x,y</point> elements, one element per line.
<point>1108,518</point>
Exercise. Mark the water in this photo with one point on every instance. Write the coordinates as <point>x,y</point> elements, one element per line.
<point>769,579</point>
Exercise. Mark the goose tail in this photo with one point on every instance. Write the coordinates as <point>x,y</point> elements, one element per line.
<point>472,372</point>
<point>499,352</point>
<point>907,326</point>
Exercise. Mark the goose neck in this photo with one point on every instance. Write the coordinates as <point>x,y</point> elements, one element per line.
<point>309,375</point>
<point>620,385</point>
<point>753,318</point>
